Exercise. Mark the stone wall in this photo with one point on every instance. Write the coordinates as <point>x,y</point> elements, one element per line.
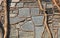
<point>26,19</point>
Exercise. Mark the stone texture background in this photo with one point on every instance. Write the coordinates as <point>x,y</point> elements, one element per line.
<point>26,20</point>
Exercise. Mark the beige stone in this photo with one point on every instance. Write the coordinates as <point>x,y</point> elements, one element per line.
<point>15,0</point>
<point>1,1</point>
<point>12,4</point>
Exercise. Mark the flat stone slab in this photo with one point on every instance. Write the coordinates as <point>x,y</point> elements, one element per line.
<point>59,33</point>
<point>28,26</point>
<point>24,12</point>
<point>20,4</point>
<point>23,34</point>
<point>1,8</point>
<point>15,20</point>
<point>12,4</point>
<point>34,11</point>
<point>15,0</point>
<point>39,31</point>
<point>1,1</point>
<point>34,4</point>
<point>38,20</point>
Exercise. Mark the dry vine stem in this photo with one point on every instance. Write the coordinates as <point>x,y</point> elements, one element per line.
<point>46,25</point>
<point>5,20</point>
<point>45,19</point>
<point>40,6</point>
<point>54,1</point>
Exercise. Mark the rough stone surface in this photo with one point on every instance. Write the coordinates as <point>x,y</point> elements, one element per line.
<point>15,20</point>
<point>34,11</point>
<point>26,34</point>
<point>15,0</point>
<point>39,31</point>
<point>1,8</point>
<point>28,26</point>
<point>1,1</point>
<point>12,4</point>
<point>19,4</point>
<point>24,12</point>
<point>38,20</point>
<point>26,19</point>
<point>34,4</point>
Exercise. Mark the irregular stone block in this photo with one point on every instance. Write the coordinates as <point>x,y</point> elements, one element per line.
<point>47,0</point>
<point>38,20</point>
<point>1,8</point>
<point>1,34</point>
<point>18,26</point>
<point>1,1</point>
<point>34,11</point>
<point>39,31</point>
<point>12,4</point>
<point>13,27</point>
<point>16,20</point>
<point>15,0</point>
<point>14,13</point>
<point>28,0</point>
<point>28,26</point>
<point>13,37</point>
<point>20,4</point>
<point>14,32</point>
<point>49,5</point>
<point>24,12</point>
<point>56,23</point>
<point>59,33</point>
<point>26,34</point>
<point>34,4</point>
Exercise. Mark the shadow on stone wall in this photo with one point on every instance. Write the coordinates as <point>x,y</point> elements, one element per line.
<point>8,10</point>
<point>2,29</point>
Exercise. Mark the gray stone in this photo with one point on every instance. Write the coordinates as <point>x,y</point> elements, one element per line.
<point>15,11</point>
<point>49,5</point>
<point>26,34</point>
<point>24,12</point>
<point>59,33</point>
<point>12,27</point>
<point>29,4</point>
<point>28,26</point>
<point>12,4</point>
<point>10,12</point>
<point>38,32</point>
<point>16,20</point>
<point>34,11</point>
<point>48,0</point>
<point>38,20</point>
<point>56,23</point>
<point>14,32</point>
<point>1,34</point>
<point>13,15</point>
<point>1,8</point>
<point>13,37</point>
<point>20,4</point>
<point>28,0</point>
<point>18,26</point>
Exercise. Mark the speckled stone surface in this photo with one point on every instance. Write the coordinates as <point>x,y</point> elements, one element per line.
<point>26,19</point>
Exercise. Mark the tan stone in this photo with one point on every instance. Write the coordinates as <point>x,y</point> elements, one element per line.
<point>15,0</point>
